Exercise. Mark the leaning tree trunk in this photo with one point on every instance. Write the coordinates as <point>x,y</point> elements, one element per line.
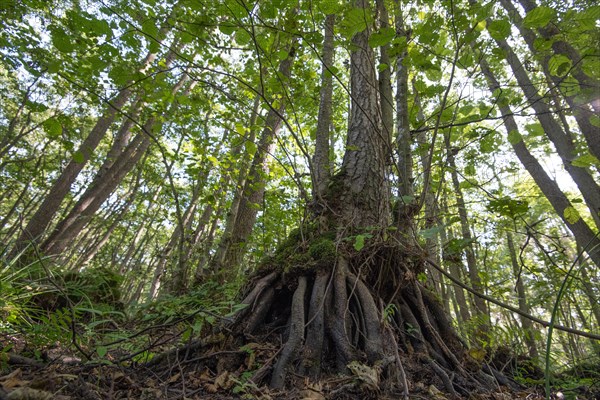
<point>583,234</point>
<point>43,216</point>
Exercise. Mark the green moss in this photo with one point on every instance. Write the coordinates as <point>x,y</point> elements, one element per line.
<point>304,249</point>
<point>322,249</point>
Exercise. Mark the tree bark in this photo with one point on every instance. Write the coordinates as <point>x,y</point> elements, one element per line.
<point>232,248</point>
<point>321,163</point>
<point>564,145</point>
<point>578,104</point>
<point>365,198</point>
<point>528,329</point>
<point>584,236</point>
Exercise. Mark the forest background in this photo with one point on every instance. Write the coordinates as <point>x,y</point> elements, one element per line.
<point>154,156</point>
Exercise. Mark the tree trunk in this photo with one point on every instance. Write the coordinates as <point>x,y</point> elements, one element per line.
<point>528,329</point>
<point>584,236</point>
<point>564,145</point>
<point>61,187</point>
<point>364,200</point>
<point>232,247</point>
<point>473,269</point>
<point>578,104</point>
<point>321,163</point>
<point>116,166</point>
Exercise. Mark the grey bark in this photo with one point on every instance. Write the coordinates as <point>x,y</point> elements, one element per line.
<point>232,248</point>
<point>365,198</point>
<point>564,145</point>
<point>321,163</point>
<point>578,104</point>
<point>584,236</point>
<point>404,139</point>
<point>61,187</point>
<point>526,323</point>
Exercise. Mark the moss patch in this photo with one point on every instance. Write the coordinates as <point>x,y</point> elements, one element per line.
<point>304,249</point>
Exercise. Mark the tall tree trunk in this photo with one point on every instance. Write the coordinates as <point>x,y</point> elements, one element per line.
<point>584,236</point>
<point>61,187</point>
<point>105,182</point>
<point>321,163</point>
<point>577,103</point>
<point>404,138</point>
<point>563,143</point>
<point>589,84</point>
<point>365,199</point>
<point>233,245</point>
<point>528,329</point>
<point>473,269</point>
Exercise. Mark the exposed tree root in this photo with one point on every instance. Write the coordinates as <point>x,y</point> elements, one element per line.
<point>333,320</point>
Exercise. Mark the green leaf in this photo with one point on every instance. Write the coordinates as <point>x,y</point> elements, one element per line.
<point>586,160</point>
<point>595,120</point>
<point>539,17</point>
<point>514,137</point>
<point>382,37</point>
<point>78,157</point>
<point>355,21</point>
<point>149,28</point>
<point>431,232</point>
<point>407,199</point>
<point>101,351</point>
<point>61,41</point>
<point>499,29</point>
<point>359,241</point>
<point>213,160</point>
<point>227,29</point>
<point>52,127</point>
<point>559,65</point>
<point>571,215</point>
<point>330,6</point>
<point>570,86</point>
<point>535,129</point>
<point>508,207</point>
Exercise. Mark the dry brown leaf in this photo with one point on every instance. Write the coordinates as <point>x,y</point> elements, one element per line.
<point>25,393</point>
<point>175,377</point>
<point>211,388</point>
<point>13,379</point>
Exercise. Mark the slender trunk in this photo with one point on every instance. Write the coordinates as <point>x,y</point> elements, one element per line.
<point>564,145</point>
<point>94,197</point>
<point>582,112</point>
<point>454,263</point>
<point>404,139</point>
<point>233,244</point>
<point>588,83</point>
<point>116,166</point>
<point>472,266</point>
<point>61,187</point>
<point>321,162</point>
<point>584,236</point>
<point>528,329</point>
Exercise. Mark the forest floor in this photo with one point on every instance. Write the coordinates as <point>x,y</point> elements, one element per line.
<point>60,374</point>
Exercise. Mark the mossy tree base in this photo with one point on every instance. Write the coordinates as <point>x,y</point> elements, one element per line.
<point>362,314</point>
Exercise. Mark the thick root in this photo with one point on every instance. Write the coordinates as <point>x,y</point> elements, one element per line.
<point>334,318</point>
